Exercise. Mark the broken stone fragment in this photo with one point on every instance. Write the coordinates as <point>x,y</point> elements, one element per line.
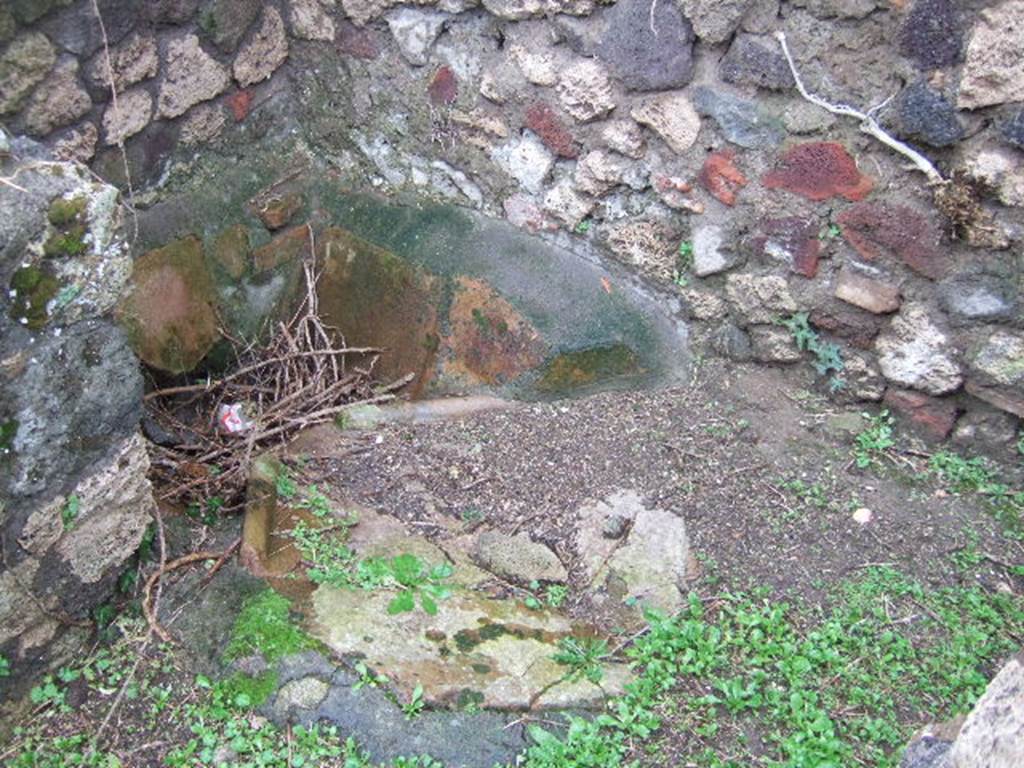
<point>517,558</point>
<point>868,293</point>
<point>585,90</point>
<point>191,76</point>
<point>672,117</point>
<point>264,53</point>
<point>917,354</point>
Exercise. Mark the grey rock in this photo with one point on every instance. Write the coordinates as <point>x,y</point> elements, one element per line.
<point>415,31</point>
<point>759,298</point>
<point>24,64</point>
<point>191,76</point>
<point>645,52</point>
<point>303,694</point>
<point>517,558</point>
<point>756,60</point>
<point>615,526</point>
<point>981,297</point>
<point>917,354</point>
<point>992,736</point>
<point>225,21</point>
<point>926,752</point>
<point>1013,129</point>
<point>732,342</point>
<point>28,11</point>
<point>714,21</point>
<point>711,251</point>
<point>132,61</point>
<point>932,34</point>
<point>527,160</point>
<point>58,101</point>
<point>585,90</point>
<point>77,30</point>
<point>742,122</point>
<point>310,21</point>
<point>986,430</point>
<point>771,344</point>
<point>997,371</point>
<point>457,739</point>
<point>171,11</point>
<point>648,567</point>
<point>925,115</point>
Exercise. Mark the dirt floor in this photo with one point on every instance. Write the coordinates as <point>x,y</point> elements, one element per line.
<point>760,470</point>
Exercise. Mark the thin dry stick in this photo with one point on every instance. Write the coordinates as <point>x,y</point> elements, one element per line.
<point>113,103</point>
<point>868,124</point>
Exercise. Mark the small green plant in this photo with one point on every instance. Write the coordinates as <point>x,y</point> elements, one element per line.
<point>5,666</point>
<point>367,678</point>
<point>69,512</point>
<point>285,485</point>
<point>828,358</point>
<point>684,263</point>
<point>583,656</point>
<point>556,595</point>
<point>48,693</point>
<point>415,706</point>
<point>582,227</point>
<point>415,579</point>
<point>976,475</point>
<point>315,501</point>
<point>872,442</point>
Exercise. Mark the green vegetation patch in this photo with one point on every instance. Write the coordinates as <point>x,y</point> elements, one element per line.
<point>265,626</point>
<point>843,686</point>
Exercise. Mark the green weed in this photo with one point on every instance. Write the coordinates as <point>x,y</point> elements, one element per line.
<point>583,656</point>
<point>877,438</point>
<point>828,358</point>
<point>69,512</point>
<point>415,706</point>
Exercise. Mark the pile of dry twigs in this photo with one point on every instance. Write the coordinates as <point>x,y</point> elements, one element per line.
<point>304,375</point>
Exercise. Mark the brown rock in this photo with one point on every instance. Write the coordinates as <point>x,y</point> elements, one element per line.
<point>202,124</point>
<point>545,122</point>
<point>288,246</point>
<point>819,170</point>
<point>877,229</point>
<point>79,145</point>
<point>169,311</point>
<point>276,211</point>
<point>867,293</point>
<point>721,177</point>
<point>932,417</point>
<point>191,76</point>
<point>231,250</point>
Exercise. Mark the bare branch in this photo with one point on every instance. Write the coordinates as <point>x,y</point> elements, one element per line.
<point>868,124</point>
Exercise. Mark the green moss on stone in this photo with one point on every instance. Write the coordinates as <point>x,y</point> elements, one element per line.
<point>265,626</point>
<point>247,691</point>
<point>8,431</point>
<point>68,243</point>
<point>34,287</point>
<point>63,211</point>
<point>588,366</point>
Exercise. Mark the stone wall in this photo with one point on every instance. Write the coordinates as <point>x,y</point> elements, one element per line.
<point>670,134</point>
<point>75,500</point>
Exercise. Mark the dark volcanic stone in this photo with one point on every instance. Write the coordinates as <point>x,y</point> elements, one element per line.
<point>756,60</point>
<point>170,11</point>
<point>225,21</point>
<point>1013,129</point>
<point>641,59</point>
<point>932,35</point>
<point>742,122</point>
<point>77,30</point>
<point>925,115</point>
<point>877,229</point>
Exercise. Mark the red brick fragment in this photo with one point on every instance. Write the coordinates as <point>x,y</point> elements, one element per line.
<point>444,88</point>
<point>877,229</point>
<point>240,103</point>
<point>544,121</point>
<point>793,240</point>
<point>932,417</point>
<point>721,177</point>
<point>819,170</point>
